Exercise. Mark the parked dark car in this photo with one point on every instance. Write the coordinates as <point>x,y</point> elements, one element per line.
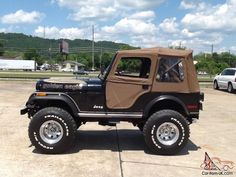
<point>81,72</point>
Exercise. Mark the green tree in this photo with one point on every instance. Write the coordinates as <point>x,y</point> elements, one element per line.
<point>211,64</point>
<point>128,47</point>
<point>178,47</point>
<point>1,49</point>
<point>106,59</point>
<point>31,54</point>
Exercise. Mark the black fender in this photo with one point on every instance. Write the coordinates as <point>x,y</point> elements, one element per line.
<point>34,99</point>
<point>162,98</point>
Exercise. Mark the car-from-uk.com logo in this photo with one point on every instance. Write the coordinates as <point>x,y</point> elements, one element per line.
<point>216,166</point>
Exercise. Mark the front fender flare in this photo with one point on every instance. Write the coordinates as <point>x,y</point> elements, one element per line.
<point>54,96</point>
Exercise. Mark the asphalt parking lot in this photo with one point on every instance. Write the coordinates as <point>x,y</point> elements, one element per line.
<point>113,151</point>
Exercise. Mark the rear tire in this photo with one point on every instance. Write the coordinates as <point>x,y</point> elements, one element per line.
<point>52,130</point>
<point>166,132</point>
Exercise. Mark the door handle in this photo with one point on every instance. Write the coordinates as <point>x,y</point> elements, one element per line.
<point>145,87</point>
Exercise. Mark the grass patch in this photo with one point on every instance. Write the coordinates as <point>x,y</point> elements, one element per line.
<point>38,74</point>
<point>48,74</point>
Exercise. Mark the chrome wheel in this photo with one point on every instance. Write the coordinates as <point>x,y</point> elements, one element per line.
<point>51,132</point>
<point>167,133</point>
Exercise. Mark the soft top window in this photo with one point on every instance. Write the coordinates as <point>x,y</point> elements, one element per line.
<point>134,67</point>
<point>170,69</point>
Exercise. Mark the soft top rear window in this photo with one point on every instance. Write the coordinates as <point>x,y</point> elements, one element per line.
<point>170,69</point>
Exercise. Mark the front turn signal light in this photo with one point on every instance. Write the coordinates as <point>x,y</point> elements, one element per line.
<point>41,94</point>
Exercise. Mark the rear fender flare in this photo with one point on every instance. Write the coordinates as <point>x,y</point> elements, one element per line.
<point>164,98</point>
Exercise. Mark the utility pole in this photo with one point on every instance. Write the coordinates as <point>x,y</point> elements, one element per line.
<point>212,49</point>
<point>44,33</point>
<point>101,59</point>
<point>92,47</point>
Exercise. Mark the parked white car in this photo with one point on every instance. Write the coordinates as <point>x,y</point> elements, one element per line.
<point>226,80</point>
<point>67,70</point>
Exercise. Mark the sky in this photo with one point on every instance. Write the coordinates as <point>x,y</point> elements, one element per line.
<point>195,24</point>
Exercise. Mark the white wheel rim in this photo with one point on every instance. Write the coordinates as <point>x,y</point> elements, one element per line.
<point>167,133</point>
<point>51,132</point>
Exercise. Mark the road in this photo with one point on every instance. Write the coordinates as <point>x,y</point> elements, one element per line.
<point>113,151</point>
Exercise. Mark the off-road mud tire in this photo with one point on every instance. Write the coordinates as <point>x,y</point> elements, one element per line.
<point>61,118</point>
<point>158,119</point>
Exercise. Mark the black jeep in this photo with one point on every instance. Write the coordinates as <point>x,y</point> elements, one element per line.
<point>155,89</point>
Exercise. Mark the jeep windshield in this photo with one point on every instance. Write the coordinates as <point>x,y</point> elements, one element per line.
<point>104,74</point>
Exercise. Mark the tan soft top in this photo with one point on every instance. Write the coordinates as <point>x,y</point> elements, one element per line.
<point>122,92</point>
<point>159,51</point>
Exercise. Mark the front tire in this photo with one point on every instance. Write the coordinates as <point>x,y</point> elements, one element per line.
<point>52,130</point>
<point>166,132</point>
<point>230,88</point>
<point>215,85</point>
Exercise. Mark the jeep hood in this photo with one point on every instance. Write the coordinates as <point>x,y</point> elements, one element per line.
<point>68,84</point>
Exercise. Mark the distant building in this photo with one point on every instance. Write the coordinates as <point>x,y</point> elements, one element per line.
<point>17,63</point>
<point>70,66</point>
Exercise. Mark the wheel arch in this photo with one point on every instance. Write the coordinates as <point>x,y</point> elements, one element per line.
<point>53,100</point>
<point>165,102</point>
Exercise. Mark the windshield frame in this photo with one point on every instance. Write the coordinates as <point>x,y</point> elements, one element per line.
<point>103,76</point>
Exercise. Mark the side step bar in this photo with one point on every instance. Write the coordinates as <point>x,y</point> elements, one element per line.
<point>110,115</point>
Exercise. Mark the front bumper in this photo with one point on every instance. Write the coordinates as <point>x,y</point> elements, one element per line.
<point>24,111</point>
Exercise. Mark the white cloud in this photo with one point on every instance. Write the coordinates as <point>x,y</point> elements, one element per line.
<point>20,17</point>
<point>186,33</point>
<point>3,30</point>
<point>131,26</point>
<point>139,4</point>
<point>169,25</point>
<point>193,5</point>
<point>220,17</point>
<point>233,48</point>
<point>145,41</point>
<point>94,13</point>
<point>89,10</point>
<point>187,5</point>
<point>56,33</point>
<point>143,15</point>
<point>105,9</point>
<point>177,42</point>
<point>137,30</point>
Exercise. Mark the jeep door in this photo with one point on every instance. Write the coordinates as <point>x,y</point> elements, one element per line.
<point>130,77</point>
